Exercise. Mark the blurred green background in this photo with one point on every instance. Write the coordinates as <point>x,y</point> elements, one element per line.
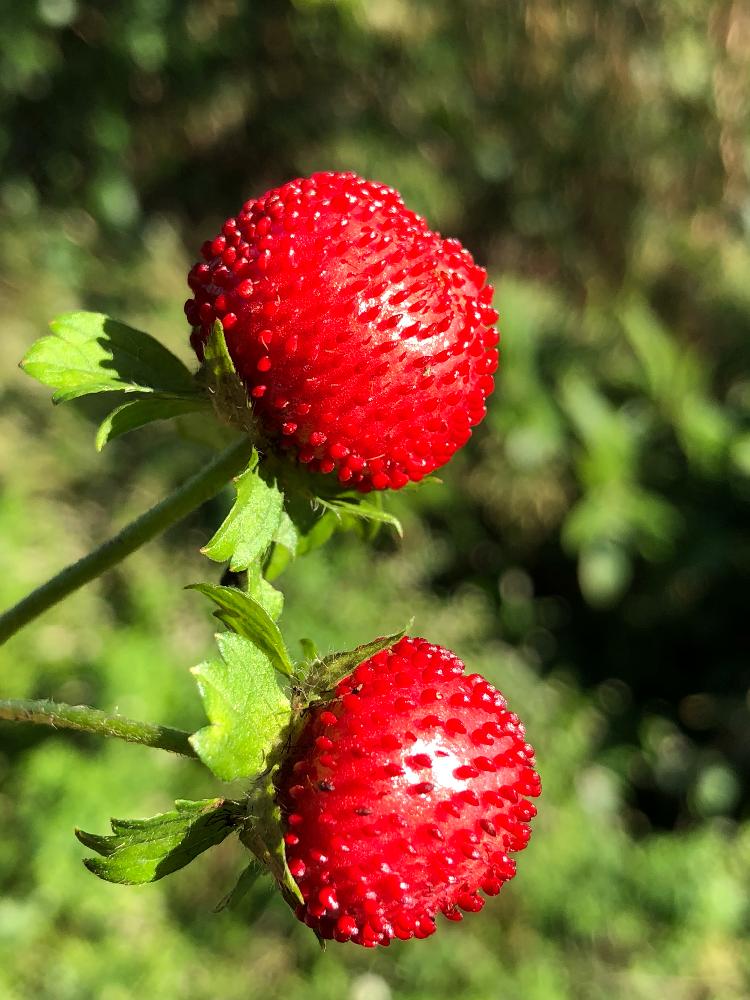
<point>589,551</point>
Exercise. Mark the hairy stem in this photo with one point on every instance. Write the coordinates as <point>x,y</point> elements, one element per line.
<point>199,488</point>
<point>91,720</point>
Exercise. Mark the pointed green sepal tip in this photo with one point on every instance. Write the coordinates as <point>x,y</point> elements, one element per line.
<point>320,676</point>
<point>263,835</point>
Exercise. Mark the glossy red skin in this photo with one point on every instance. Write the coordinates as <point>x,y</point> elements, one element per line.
<point>404,797</point>
<point>365,340</point>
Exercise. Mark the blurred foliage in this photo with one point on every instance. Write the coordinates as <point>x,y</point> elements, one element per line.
<point>589,551</point>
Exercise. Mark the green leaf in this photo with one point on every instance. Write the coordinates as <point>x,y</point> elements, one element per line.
<point>326,673</point>
<point>144,850</point>
<point>247,710</point>
<point>245,616</point>
<point>287,534</point>
<point>365,510</point>
<point>264,592</point>
<point>137,412</point>
<point>89,352</point>
<point>263,834</point>
<point>251,524</point>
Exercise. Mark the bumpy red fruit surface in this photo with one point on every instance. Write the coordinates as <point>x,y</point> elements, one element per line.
<point>404,797</point>
<point>366,341</point>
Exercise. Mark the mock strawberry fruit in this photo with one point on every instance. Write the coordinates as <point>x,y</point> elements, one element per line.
<point>405,796</point>
<point>366,341</point>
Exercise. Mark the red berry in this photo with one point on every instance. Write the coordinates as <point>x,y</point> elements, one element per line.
<point>349,320</point>
<point>400,813</point>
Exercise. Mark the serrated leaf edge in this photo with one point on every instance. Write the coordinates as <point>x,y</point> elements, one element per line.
<point>277,653</point>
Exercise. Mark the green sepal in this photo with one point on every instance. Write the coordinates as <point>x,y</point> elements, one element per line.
<point>251,524</point>
<point>216,358</point>
<point>247,617</point>
<point>324,674</point>
<point>139,412</point>
<point>247,710</point>
<point>309,650</point>
<point>226,389</point>
<point>264,592</point>
<point>323,526</point>
<point>287,534</point>
<point>247,879</point>
<point>89,352</point>
<point>428,481</point>
<point>371,511</point>
<point>263,834</point>
<point>145,850</point>
<point>309,520</point>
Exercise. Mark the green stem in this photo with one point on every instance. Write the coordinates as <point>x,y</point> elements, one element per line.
<point>91,720</point>
<point>199,488</point>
